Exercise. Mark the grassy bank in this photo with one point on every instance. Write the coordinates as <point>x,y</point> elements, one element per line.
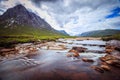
<point>113,37</point>
<point>9,41</point>
<point>23,34</point>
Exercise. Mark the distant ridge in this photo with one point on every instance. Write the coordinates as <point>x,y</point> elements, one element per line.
<point>100,33</point>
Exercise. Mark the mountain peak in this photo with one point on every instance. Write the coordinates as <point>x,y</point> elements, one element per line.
<point>14,12</point>
<point>19,7</point>
<point>19,15</point>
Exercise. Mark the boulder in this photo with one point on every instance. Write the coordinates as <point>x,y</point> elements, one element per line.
<point>99,69</point>
<point>76,54</point>
<point>107,57</point>
<point>87,60</point>
<point>108,50</point>
<point>78,49</point>
<point>72,54</point>
<point>113,44</point>
<point>105,67</point>
<point>111,60</point>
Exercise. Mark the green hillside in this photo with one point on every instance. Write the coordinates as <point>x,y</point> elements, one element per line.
<point>17,24</point>
<point>113,37</point>
<point>101,33</point>
<point>26,33</point>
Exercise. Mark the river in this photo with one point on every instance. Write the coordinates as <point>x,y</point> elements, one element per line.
<point>55,65</point>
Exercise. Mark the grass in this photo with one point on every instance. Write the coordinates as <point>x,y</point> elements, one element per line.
<point>113,37</point>
<point>22,34</point>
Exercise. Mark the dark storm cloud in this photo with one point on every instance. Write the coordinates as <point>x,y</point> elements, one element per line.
<point>3,0</point>
<point>37,2</point>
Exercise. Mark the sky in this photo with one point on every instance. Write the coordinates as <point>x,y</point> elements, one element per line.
<point>73,16</point>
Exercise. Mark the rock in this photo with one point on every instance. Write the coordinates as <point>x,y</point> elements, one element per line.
<point>115,63</point>
<point>72,50</point>
<point>78,49</point>
<point>7,50</point>
<point>114,43</point>
<point>111,60</point>
<point>62,46</point>
<point>69,55</point>
<point>53,46</point>
<point>87,60</point>
<point>108,50</point>
<point>99,69</point>
<point>105,67</point>
<point>76,54</point>
<point>107,57</point>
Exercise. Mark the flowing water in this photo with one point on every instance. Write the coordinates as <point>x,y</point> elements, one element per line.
<point>55,65</point>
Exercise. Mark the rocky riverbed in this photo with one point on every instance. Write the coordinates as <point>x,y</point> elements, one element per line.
<point>63,59</point>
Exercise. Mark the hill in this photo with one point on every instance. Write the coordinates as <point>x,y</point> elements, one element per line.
<point>18,24</point>
<point>100,33</point>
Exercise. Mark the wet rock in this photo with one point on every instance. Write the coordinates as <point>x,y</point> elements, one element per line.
<point>95,51</point>
<point>107,57</point>
<point>73,54</point>
<point>69,55</point>
<point>109,47</point>
<point>105,67</point>
<point>108,50</point>
<point>113,45</point>
<point>111,60</point>
<point>87,60</point>
<point>99,69</point>
<point>4,52</point>
<point>115,63</point>
<point>73,51</point>
<point>53,46</point>
<point>78,49</point>
<point>26,48</point>
<point>7,50</point>
<point>76,54</point>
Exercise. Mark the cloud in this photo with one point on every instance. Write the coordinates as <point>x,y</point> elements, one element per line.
<point>73,16</point>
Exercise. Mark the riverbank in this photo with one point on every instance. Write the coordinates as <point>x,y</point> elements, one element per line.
<point>69,59</point>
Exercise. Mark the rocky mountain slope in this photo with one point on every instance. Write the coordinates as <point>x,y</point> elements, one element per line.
<point>19,21</point>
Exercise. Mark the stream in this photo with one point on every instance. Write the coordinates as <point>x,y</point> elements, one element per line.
<point>55,65</point>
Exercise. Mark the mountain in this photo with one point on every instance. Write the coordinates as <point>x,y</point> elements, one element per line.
<point>19,15</point>
<point>19,21</point>
<point>100,33</point>
<point>64,32</point>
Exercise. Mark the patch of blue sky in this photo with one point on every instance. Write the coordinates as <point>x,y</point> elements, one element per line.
<point>115,13</point>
